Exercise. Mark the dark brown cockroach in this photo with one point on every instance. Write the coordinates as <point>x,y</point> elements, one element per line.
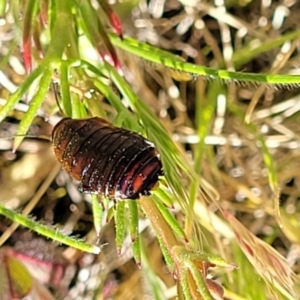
<point>107,160</point>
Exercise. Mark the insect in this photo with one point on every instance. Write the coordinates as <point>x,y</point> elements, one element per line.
<point>107,160</point>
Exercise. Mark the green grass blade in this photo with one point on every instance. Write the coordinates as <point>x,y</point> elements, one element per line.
<point>272,177</point>
<point>120,224</point>
<point>199,280</point>
<point>133,219</point>
<point>65,89</point>
<point>15,97</point>
<point>33,107</point>
<point>60,33</point>
<point>164,195</point>
<point>50,233</point>
<point>3,4</point>
<point>98,212</point>
<point>136,249</point>
<point>96,33</point>
<point>246,54</point>
<point>78,109</point>
<point>169,217</point>
<point>133,225</point>
<point>165,59</point>
<point>5,58</point>
<point>270,164</point>
<point>166,253</point>
<point>151,277</point>
<point>185,289</point>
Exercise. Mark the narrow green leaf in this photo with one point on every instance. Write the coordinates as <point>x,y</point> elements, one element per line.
<point>136,249</point>
<point>134,230</point>
<point>133,219</point>
<point>152,278</point>
<point>166,253</point>
<point>98,211</point>
<point>246,54</point>
<point>110,214</point>
<point>33,107</point>
<point>95,32</point>
<point>16,97</point>
<point>88,66</point>
<point>3,5</point>
<point>120,224</point>
<point>205,110</point>
<point>209,257</point>
<point>50,233</point>
<point>78,109</point>
<point>184,284</point>
<point>199,280</point>
<point>5,58</point>
<point>65,89</point>
<point>272,176</point>
<point>164,195</point>
<point>60,33</point>
<point>165,59</point>
<point>269,162</point>
<point>291,225</point>
<point>170,218</point>
<point>52,14</point>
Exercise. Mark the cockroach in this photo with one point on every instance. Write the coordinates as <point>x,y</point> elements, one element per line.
<point>107,160</point>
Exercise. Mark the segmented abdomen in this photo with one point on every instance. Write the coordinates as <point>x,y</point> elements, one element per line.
<point>107,160</point>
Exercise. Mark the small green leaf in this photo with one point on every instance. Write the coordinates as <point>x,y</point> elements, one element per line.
<point>134,230</point>
<point>133,219</point>
<point>120,224</point>
<point>164,195</point>
<point>110,214</point>
<point>136,249</point>
<point>98,211</point>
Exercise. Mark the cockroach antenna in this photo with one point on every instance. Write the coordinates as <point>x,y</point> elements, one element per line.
<point>57,95</point>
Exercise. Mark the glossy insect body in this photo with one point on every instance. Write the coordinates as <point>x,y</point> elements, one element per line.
<point>107,160</point>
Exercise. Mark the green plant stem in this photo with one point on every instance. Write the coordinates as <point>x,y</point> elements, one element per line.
<point>160,225</point>
<point>51,233</point>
